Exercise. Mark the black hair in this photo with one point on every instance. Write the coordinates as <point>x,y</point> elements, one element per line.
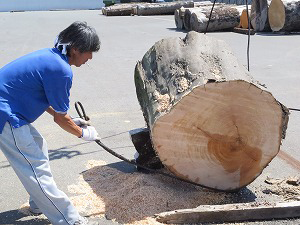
<point>80,36</point>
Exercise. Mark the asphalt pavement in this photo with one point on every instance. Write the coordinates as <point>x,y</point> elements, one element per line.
<point>106,88</point>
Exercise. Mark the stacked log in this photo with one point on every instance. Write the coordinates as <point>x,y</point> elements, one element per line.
<point>119,10</point>
<point>210,122</point>
<point>284,15</point>
<point>237,2</point>
<point>164,8</point>
<point>187,14</point>
<point>259,15</point>
<point>187,17</point>
<point>223,17</point>
<point>181,18</point>
<point>179,14</point>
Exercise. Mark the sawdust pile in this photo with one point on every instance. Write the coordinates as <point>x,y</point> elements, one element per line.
<point>133,198</point>
<point>288,188</point>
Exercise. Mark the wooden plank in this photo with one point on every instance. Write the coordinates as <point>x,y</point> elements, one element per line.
<point>232,213</point>
<point>243,31</point>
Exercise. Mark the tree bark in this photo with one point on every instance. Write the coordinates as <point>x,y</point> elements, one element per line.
<point>179,14</point>
<point>223,17</point>
<point>259,15</point>
<point>210,122</point>
<point>189,11</point>
<point>284,15</point>
<point>187,17</point>
<point>119,10</point>
<point>163,8</point>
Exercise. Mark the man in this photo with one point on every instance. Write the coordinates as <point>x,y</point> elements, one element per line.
<point>29,86</point>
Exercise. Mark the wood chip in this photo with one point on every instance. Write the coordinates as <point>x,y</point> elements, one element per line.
<point>134,198</point>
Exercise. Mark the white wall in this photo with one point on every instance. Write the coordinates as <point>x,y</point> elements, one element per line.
<point>41,5</point>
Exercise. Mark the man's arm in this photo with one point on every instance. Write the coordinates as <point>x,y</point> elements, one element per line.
<point>65,122</point>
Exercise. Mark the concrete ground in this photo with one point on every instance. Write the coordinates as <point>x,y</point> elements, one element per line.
<point>106,88</point>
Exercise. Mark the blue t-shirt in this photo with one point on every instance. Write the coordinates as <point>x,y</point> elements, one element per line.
<point>32,83</point>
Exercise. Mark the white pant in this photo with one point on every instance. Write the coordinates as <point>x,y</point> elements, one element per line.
<point>27,153</point>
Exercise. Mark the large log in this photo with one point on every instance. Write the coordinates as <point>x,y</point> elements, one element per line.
<point>119,9</point>
<point>199,9</point>
<point>163,8</point>
<point>187,17</point>
<point>259,15</point>
<point>178,15</point>
<point>284,15</point>
<point>223,17</point>
<point>210,122</point>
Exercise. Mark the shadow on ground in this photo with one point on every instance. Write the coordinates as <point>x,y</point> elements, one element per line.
<point>15,217</point>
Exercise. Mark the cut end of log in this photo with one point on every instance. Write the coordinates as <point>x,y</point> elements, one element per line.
<point>276,15</point>
<point>211,123</point>
<point>221,135</point>
<point>244,19</point>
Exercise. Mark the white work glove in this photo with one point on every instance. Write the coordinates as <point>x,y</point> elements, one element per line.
<point>80,122</point>
<point>89,133</point>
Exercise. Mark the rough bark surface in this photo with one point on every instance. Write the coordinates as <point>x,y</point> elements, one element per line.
<point>259,15</point>
<point>187,17</point>
<point>119,10</point>
<point>210,122</point>
<point>182,18</point>
<point>199,9</point>
<point>284,15</point>
<point>161,8</point>
<point>223,17</point>
<point>179,14</point>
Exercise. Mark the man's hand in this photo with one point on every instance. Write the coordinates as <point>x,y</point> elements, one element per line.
<point>89,133</point>
<point>81,122</point>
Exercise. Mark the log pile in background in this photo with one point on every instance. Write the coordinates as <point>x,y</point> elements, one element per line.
<point>143,9</point>
<point>224,16</point>
<point>210,122</point>
<point>125,9</point>
<point>178,15</point>
<point>275,15</point>
<point>237,2</point>
<point>265,15</point>
<point>284,15</point>
<point>164,8</point>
